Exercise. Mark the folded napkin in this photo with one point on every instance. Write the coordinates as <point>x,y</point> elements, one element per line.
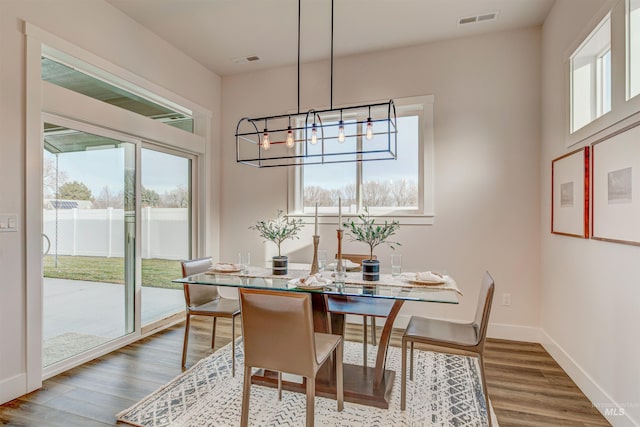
<point>226,266</point>
<point>429,276</point>
<point>311,280</point>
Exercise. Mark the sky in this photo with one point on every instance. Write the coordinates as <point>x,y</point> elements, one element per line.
<point>406,166</point>
<point>99,168</point>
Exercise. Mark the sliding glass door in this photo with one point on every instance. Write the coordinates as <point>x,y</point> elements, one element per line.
<point>165,230</point>
<point>89,230</point>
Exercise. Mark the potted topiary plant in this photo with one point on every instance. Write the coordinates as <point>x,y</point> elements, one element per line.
<point>277,231</point>
<point>373,235</point>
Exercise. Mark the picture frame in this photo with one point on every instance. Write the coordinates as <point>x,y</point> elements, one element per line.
<point>615,187</point>
<point>570,194</point>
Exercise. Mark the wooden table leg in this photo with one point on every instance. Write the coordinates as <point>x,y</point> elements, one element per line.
<point>383,343</point>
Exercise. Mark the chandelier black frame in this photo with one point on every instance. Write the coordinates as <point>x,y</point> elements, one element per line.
<point>335,135</point>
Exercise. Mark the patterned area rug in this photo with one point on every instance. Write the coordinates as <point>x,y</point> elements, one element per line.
<point>446,391</point>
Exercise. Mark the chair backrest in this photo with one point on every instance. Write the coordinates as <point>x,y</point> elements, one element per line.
<point>277,329</point>
<point>483,309</point>
<point>196,295</point>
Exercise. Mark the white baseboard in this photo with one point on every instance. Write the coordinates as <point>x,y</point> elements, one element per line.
<point>614,413</point>
<point>496,330</point>
<point>504,331</point>
<point>13,387</point>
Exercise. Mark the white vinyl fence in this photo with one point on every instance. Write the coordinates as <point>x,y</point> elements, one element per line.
<point>100,232</point>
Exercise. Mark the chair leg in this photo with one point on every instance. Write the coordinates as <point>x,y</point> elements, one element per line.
<point>311,397</point>
<point>339,377</point>
<point>279,385</point>
<point>213,333</point>
<point>364,340</point>
<point>411,363</point>
<point>373,330</point>
<point>484,385</point>
<point>233,346</point>
<point>246,392</point>
<point>186,340</point>
<point>403,378</point>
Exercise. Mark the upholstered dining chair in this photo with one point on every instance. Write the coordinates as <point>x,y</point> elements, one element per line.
<point>277,329</point>
<point>459,337</point>
<point>204,300</point>
<point>368,308</point>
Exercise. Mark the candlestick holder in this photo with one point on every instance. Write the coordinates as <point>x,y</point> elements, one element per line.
<point>340,274</point>
<point>314,263</point>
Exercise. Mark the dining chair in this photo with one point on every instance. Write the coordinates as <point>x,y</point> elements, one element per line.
<point>204,300</point>
<point>368,308</point>
<point>463,337</point>
<point>277,330</point>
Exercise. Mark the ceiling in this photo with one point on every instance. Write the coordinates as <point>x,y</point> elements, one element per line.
<point>214,32</point>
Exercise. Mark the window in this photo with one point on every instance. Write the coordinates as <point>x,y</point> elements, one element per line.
<point>75,78</point>
<point>393,187</point>
<point>633,48</point>
<point>591,77</point>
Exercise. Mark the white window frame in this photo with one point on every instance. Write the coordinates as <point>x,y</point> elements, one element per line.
<point>421,106</point>
<point>596,81</point>
<point>628,54</point>
<point>600,84</point>
<point>44,99</point>
<point>625,111</point>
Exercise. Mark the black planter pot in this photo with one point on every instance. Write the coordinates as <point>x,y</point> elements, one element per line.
<point>371,270</point>
<point>280,265</point>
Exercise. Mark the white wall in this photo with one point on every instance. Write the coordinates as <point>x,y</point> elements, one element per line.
<point>487,133</point>
<point>96,26</point>
<point>589,293</point>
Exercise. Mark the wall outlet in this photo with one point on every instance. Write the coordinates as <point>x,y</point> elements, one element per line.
<point>506,299</point>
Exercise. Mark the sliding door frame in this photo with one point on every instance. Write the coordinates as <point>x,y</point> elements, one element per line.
<point>42,100</point>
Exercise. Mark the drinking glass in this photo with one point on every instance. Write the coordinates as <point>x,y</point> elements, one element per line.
<point>322,259</point>
<point>244,260</point>
<point>396,265</point>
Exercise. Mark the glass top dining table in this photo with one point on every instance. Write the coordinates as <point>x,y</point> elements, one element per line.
<point>388,287</point>
<point>368,385</point>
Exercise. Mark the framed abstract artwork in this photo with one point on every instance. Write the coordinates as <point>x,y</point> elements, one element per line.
<point>570,194</point>
<point>615,188</point>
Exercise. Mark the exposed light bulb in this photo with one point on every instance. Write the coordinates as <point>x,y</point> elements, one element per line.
<point>314,135</point>
<point>369,129</point>
<point>290,141</point>
<point>341,132</point>
<point>265,140</point>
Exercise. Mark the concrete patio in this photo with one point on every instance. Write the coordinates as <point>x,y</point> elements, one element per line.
<point>81,314</point>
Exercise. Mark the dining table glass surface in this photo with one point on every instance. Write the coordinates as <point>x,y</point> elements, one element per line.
<point>387,287</point>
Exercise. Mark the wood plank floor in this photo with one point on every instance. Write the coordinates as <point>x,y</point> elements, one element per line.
<point>526,386</point>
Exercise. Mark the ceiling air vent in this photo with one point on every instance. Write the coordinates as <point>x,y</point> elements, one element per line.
<point>244,59</point>
<point>478,18</point>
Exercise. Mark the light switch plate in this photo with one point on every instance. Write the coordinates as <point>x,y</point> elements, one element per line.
<point>8,223</point>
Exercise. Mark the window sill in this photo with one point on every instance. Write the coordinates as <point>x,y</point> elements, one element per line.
<point>405,219</point>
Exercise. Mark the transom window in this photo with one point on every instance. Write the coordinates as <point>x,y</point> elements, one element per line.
<point>591,77</point>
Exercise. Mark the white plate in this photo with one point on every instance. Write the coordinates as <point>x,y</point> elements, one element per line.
<point>224,267</point>
<point>411,278</point>
<point>422,282</point>
<point>320,284</point>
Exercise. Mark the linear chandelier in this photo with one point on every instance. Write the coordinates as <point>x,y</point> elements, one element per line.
<point>335,135</point>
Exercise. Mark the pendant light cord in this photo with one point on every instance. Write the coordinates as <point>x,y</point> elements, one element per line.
<point>299,17</point>
<point>331,100</point>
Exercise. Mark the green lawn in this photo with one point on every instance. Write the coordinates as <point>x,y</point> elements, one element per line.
<point>156,273</point>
